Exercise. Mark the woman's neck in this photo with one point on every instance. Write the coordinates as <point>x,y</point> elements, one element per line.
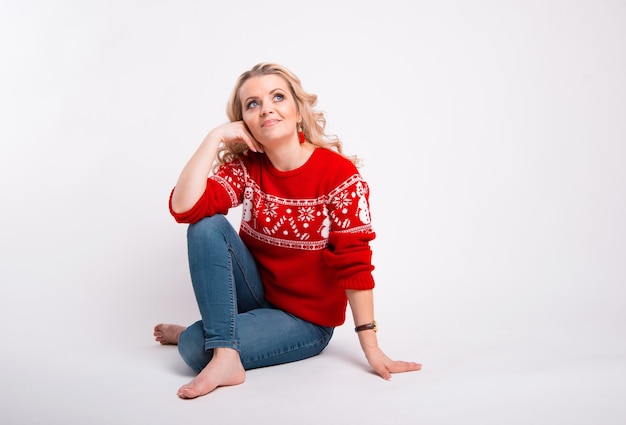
<point>290,157</point>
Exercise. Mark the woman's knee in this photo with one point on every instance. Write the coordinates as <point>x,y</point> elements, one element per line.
<point>214,225</point>
<point>217,221</point>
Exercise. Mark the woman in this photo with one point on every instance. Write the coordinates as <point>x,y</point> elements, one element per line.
<point>274,291</point>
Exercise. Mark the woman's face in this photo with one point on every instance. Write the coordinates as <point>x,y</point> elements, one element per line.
<point>269,109</point>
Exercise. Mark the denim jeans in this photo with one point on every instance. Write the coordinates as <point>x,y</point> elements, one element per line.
<point>235,314</point>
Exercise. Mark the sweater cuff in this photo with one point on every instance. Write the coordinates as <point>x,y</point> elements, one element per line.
<point>191,216</point>
<point>361,281</point>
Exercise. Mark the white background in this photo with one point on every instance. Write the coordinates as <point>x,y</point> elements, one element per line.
<point>494,141</point>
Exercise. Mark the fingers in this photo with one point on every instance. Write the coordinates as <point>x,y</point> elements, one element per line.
<point>384,373</point>
<point>385,370</point>
<point>236,132</point>
<point>252,142</point>
<point>400,366</point>
<point>254,145</point>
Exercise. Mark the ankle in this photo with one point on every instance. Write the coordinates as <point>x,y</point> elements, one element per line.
<point>225,352</point>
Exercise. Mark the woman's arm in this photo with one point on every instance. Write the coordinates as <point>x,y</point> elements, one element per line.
<point>362,306</point>
<point>191,183</point>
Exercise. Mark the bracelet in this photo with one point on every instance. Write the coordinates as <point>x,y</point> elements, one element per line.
<point>366,327</point>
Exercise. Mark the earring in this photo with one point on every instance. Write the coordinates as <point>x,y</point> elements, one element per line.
<point>301,134</point>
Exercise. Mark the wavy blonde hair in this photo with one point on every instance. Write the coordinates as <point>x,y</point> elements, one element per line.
<point>313,121</point>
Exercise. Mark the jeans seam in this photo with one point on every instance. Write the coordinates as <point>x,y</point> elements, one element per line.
<point>245,275</point>
<point>233,302</point>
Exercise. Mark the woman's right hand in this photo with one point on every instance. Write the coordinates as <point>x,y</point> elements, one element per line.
<point>236,132</point>
<point>192,180</point>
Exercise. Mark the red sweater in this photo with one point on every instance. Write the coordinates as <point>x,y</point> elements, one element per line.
<point>309,229</point>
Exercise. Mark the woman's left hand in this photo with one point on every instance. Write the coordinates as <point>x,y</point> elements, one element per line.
<point>384,366</point>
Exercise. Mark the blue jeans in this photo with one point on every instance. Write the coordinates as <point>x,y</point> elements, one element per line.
<point>235,314</point>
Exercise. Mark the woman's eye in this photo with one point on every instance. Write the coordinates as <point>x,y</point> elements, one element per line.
<point>278,97</point>
<point>253,104</point>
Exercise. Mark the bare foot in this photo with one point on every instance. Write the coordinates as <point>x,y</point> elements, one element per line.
<point>167,334</point>
<point>224,369</point>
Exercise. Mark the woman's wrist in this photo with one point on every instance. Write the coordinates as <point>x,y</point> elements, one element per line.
<point>368,340</point>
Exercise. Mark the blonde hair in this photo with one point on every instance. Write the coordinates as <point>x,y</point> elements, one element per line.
<point>313,121</point>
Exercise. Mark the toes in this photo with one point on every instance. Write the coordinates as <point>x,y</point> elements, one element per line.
<point>187,393</point>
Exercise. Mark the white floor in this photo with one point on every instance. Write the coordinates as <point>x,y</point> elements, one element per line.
<point>73,373</point>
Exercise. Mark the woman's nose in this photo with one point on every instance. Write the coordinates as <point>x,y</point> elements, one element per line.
<point>266,109</point>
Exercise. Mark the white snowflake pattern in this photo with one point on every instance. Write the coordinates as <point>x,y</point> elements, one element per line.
<point>237,172</point>
<point>306,214</point>
<point>270,209</point>
<point>342,200</point>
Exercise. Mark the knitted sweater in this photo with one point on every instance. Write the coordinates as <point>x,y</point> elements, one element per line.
<point>309,229</point>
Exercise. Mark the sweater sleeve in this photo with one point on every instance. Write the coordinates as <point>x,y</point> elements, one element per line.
<point>351,257</point>
<point>349,251</point>
<point>223,191</point>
